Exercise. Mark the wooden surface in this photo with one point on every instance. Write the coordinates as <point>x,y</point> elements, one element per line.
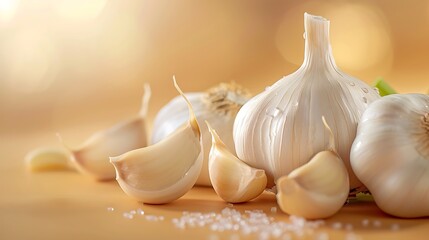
<point>67,205</point>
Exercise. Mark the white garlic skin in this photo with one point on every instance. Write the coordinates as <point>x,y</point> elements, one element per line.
<point>390,154</point>
<point>280,130</point>
<point>218,105</point>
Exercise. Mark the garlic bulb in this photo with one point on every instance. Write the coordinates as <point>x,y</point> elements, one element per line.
<point>280,130</point>
<point>165,171</point>
<point>318,189</point>
<point>390,154</point>
<point>218,105</point>
<point>233,180</point>
<point>92,158</point>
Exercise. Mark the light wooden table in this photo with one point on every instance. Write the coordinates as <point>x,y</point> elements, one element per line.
<point>67,205</point>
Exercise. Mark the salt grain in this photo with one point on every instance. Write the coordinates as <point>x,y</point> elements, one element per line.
<point>127,215</point>
<point>365,222</point>
<point>140,211</point>
<point>249,222</point>
<point>110,209</point>
<point>274,209</point>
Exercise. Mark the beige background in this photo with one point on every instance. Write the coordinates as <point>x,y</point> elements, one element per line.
<point>78,66</point>
<point>69,63</point>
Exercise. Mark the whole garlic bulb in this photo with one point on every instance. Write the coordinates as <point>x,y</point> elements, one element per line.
<point>218,105</point>
<point>280,130</point>
<point>390,154</point>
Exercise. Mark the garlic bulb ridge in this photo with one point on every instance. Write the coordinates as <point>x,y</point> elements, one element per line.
<point>218,105</point>
<point>280,130</point>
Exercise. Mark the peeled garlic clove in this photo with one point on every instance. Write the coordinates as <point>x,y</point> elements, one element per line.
<point>390,154</point>
<point>48,159</point>
<point>317,189</point>
<point>165,171</point>
<point>92,158</point>
<point>233,180</point>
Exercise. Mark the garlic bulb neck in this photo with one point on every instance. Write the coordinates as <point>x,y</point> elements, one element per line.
<point>318,50</point>
<point>226,98</point>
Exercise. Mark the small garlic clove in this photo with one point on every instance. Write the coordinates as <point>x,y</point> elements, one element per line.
<point>92,158</point>
<point>233,180</point>
<point>317,189</point>
<point>165,171</point>
<point>48,159</point>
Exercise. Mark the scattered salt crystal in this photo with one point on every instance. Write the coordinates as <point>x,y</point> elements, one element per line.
<point>127,215</point>
<point>230,205</point>
<point>365,222</point>
<point>133,212</point>
<point>274,209</point>
<point>337,225</point>
<point>394,227</point>
<point>249,222</point>
<point>110,209</point>
<point>376,223</point>
<point>140,211</point>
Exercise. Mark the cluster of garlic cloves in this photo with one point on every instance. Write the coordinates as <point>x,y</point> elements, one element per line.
<point>218,105</point>
<point>233,180</point>
<point>92,157</point>
<point>166,170</point>
<point>317,189</point>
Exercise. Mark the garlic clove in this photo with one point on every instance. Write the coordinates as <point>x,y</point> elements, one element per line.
<point>48,159</point>
<point>92,158</point>
<point>317,189</point>
<point>233,180</point>
<point>165,171</point>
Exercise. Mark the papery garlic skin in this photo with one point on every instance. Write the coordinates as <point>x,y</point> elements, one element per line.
<point>165,171</point>
<point>218,105</point>
<point>92,157</point>
<point>316,190</point>
<point>280,130</point>
<point>390,154</point>
<point>233,180</point>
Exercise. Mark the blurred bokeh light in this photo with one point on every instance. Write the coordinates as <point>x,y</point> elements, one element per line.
<point>80,65</point>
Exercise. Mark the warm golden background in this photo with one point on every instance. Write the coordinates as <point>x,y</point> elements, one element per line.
<point>80,64</point>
